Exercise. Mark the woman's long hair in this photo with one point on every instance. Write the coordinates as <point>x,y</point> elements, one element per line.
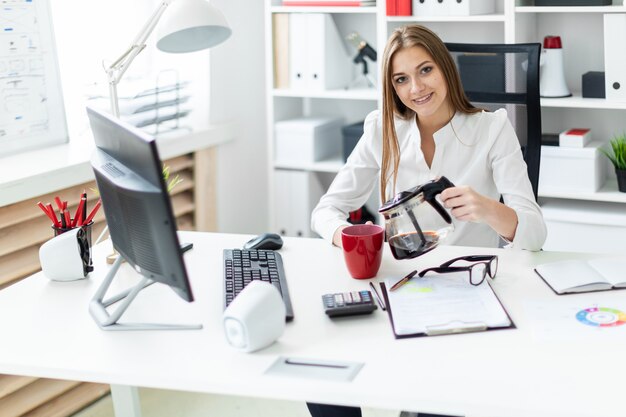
<point>407,37</point>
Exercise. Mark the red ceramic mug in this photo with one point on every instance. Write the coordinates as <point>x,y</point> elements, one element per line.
<point>363,249</point>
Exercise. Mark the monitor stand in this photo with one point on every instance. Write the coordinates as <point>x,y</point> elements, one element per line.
<point>98,306</point>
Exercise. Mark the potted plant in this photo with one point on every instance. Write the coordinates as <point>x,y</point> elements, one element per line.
<point>618,158</point>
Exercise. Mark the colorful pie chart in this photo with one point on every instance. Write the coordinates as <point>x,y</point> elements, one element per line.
<point>601,317</point>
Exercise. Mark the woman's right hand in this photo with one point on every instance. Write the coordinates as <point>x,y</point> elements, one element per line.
<point>337,237</point>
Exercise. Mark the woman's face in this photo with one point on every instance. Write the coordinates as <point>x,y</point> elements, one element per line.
<point>420,84</point>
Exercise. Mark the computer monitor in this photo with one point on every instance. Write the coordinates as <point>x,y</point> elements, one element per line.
<point>139,215</point>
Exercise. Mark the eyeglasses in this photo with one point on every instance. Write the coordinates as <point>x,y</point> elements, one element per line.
<point>482,266</point>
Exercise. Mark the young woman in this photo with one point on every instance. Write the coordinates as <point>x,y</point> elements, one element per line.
<point>428,128</point>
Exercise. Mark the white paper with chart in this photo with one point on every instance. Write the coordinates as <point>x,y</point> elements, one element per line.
<point>31,101</point>
<point>442,304</point>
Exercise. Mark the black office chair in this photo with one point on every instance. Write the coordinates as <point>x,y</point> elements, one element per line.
<point>506,75</point>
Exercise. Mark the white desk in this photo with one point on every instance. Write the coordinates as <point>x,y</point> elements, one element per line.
<point>47,332</point>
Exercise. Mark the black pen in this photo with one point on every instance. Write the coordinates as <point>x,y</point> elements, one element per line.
<point>403,281</point>
<point>378,299</point>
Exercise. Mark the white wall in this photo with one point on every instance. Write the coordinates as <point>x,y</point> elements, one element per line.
<point>92,32</point>
<point>230,89</point>
<point>238,94</point>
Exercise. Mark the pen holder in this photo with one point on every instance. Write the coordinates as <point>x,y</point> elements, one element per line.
<point>76,246</point>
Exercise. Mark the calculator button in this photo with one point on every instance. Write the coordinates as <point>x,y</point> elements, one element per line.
<point>339,299</point>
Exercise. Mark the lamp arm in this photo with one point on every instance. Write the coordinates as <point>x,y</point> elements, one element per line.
<point>116,70</point>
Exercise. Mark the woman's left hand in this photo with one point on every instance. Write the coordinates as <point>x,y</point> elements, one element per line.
<point>467,204</point>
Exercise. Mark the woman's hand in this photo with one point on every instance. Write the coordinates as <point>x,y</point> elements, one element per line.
<point>468,205</point>
<point>337,236</point>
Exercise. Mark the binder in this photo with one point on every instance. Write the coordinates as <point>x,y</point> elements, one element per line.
<point>403,8</point>
<point>614,57</point>
<point>317,54</point>
<point>392,7</point>
<point>296,193</point>
<point>444,304</point>
<point>281,49</point>
<point>298,57</point>
<point>470,7</point>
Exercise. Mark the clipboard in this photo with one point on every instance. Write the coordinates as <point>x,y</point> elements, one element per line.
<point>450,326</point>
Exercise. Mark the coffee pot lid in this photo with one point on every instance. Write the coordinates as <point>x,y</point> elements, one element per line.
<point>430,189</point>
<point>400,198</point>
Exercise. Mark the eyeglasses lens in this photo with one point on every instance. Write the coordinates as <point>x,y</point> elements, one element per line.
<point>477,273</point>
<point>493,267</point>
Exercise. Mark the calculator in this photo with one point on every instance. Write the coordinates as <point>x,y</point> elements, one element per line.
<point>348,303</point>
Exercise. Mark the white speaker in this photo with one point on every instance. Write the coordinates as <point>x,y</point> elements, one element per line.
<point>614,56</point>
<point>61,257</point>
<point>255,318</point>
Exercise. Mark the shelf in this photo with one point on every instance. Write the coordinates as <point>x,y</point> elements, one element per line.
<point>608,193</point>
<point>329,165</point>
<point>574,9</point>
<point>369,94</point>
<point>578,102</point>
<point>310,9</point>
<point>484,18</point>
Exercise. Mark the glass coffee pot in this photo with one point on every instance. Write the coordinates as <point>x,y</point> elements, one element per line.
<point>415,222</point>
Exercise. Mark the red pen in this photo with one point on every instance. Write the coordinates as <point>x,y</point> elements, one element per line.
<point>403,281</point>
<point>93,212</point>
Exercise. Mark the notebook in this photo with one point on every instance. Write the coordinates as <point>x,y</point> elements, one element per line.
<point>567,277</point>
<point>443,304</point>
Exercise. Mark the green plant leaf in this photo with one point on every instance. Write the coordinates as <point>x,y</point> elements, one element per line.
<point>618,151</point>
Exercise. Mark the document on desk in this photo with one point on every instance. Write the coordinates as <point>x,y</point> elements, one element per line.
<point>443,304</point>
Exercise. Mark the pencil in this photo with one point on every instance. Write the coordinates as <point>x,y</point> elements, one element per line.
<point>54,216</point>
<point>79,216</point>
<point>403,281</point>
<point>58,202</point>
<point>378,299</point>
<point>45,210</point>
<point>93,212</point>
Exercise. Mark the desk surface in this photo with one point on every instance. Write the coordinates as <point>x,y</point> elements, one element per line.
<point>47,332</point>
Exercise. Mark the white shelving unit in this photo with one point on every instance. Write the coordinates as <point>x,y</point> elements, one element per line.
<point>515,21</point>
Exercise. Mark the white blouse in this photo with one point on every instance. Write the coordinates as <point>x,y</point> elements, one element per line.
<point>480,150</point>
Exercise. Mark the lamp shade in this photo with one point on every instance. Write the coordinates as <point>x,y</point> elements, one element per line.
<point>191,25</point>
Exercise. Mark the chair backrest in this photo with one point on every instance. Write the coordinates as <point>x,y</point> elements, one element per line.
<point>506,75</point>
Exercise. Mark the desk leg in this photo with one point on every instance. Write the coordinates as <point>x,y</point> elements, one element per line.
<point>125,401</point>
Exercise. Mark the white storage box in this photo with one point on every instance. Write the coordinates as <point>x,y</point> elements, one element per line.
<point>307,140</point>
<point>452,7</point>
<point>585,226</point>
<point>571,169</point>
<point>575,138</point>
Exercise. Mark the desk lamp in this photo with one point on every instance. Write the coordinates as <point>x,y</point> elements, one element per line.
<point>191,25</point>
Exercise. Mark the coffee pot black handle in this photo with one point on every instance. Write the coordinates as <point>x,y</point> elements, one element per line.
<point>431,190</point>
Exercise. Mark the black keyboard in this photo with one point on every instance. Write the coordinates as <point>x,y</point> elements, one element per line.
<point>242,266</point>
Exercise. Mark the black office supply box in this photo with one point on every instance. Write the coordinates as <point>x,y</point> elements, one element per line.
<point>351,135</point>
<point>573,2</point>
<point>593,85</point>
